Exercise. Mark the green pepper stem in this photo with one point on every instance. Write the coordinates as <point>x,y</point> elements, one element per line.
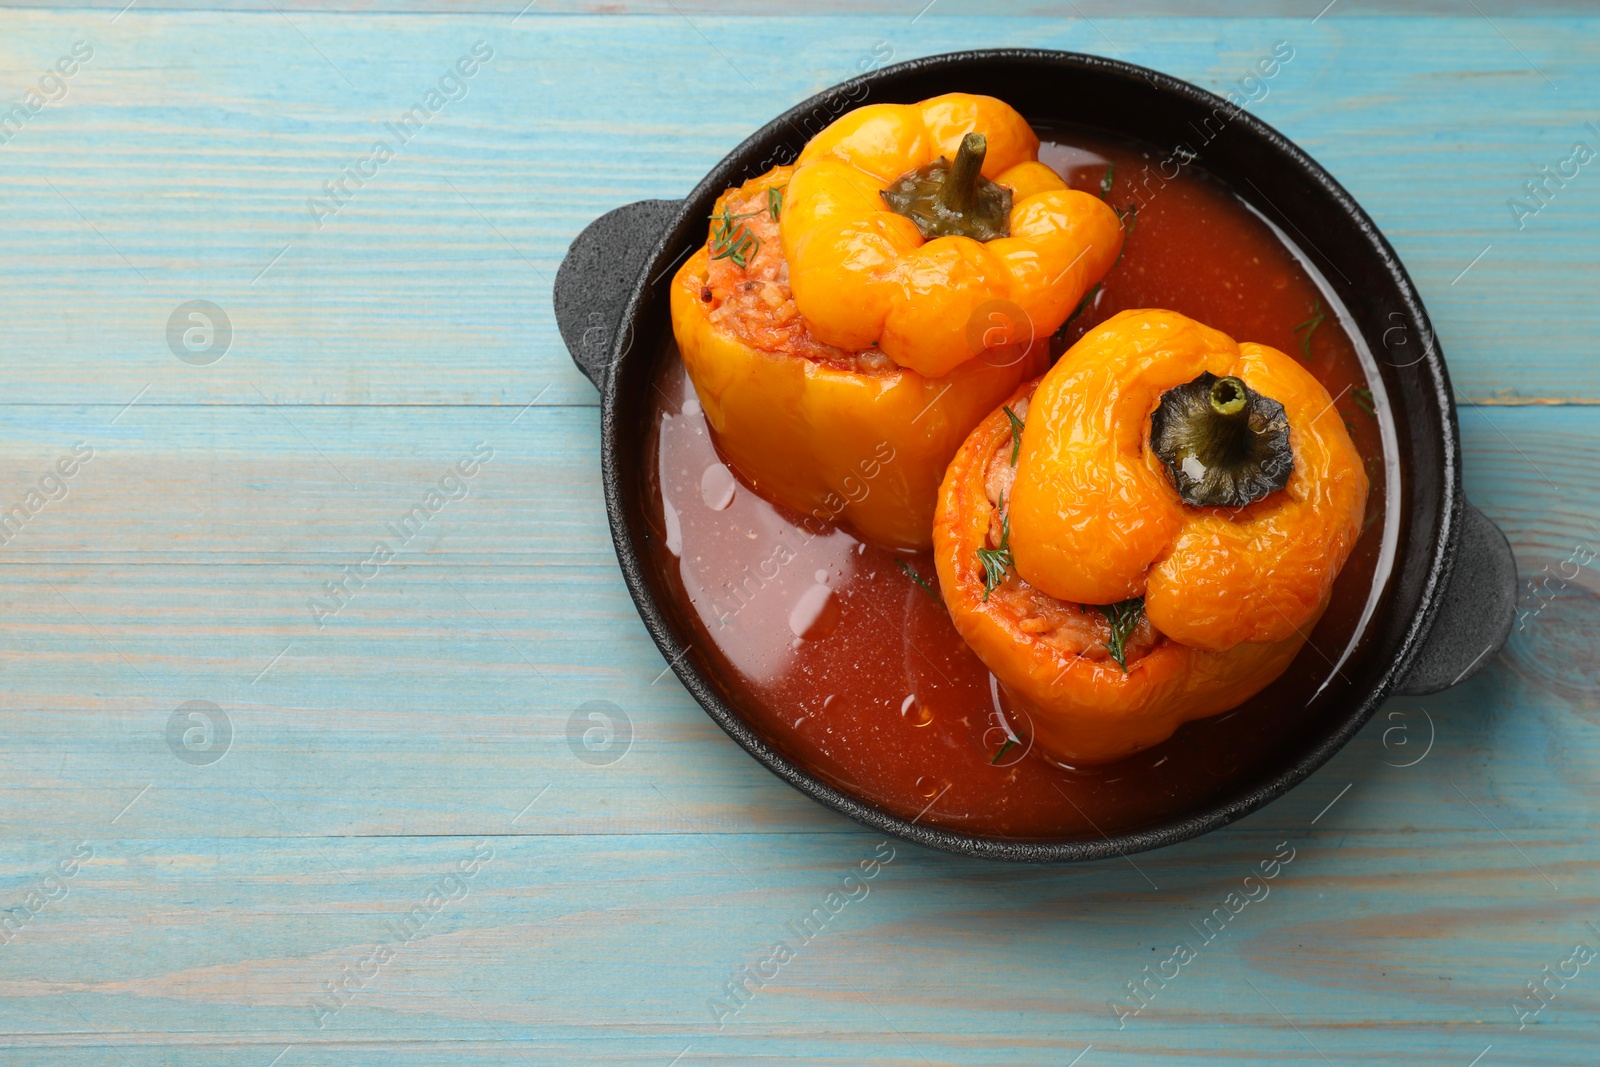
<point>960,190</point>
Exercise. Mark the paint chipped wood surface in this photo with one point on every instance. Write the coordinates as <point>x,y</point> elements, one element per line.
<point>429,720</point>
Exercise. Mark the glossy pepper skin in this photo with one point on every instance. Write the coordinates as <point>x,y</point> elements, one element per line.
<point>840,444</point>
<point>847,435</point>
<point>1095,519</point>
<point>862,275</point>
<point>1229,594</point>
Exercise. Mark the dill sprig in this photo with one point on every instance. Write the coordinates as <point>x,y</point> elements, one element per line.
<point>919,579</point>
<point>775,200</point>
<point>996,561</point>
<point>1124,618</point>
<point>1003,750</point>
<point>734,242</point>
<point>1107,181</point>
<point>1087,299</point>
<point>1129,217</point>
<point>1363,399</point>
<point>1016,432</point>
<point>1310,327</point>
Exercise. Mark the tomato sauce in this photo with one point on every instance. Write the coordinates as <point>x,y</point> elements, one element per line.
<point>837,654</point>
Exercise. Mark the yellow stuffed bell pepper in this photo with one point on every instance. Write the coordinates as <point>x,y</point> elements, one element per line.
<point>1150,535</point>
<point>853,316</point>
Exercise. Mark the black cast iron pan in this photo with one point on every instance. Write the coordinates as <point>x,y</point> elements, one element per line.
<point>1451,592</point>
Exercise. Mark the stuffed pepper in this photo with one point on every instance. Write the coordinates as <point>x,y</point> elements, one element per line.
<point>853,316</point>
<point>1147,534</point>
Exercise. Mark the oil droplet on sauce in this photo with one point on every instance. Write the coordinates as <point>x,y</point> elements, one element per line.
<point>815,615</point>
<point>914,713</point>
<point>717,487</point>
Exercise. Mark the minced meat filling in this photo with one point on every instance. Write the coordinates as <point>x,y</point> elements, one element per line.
<point>754,303</point>
<point>1073,629</point>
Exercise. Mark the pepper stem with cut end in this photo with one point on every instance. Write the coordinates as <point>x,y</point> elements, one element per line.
<point>953,199</point>
<point>1223,443</point>
<point>960,190</point>
<point>1227,396</point>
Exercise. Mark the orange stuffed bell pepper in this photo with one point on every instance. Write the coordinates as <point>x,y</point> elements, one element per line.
<point>1149,535</point>
<point>853,316</point>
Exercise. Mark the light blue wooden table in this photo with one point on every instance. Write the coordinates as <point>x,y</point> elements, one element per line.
<point>397,811</point>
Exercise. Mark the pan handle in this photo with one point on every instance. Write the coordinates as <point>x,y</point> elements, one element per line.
<point>1475,618</point>
<point>599,274</point>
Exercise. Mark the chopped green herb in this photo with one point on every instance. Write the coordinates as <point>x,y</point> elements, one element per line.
<point>775,200</point>
<point>1310,327</point>
<point>731,242</point>
<point>1016,432</point>
<point>1003,750</point>
<point>1088,298</point>
<point>1129,217</point>
<point>1106,182</point>
<point>996,561</point>
<point>741,248</point>
<point>1124,618</point>
<point>919,579</point>
<point>1363,399</point>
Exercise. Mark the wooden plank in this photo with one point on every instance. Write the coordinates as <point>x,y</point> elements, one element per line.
<point>180,163</point>
<point>1096,9</point>
<point>1366,947</point>
<point>308,485</point>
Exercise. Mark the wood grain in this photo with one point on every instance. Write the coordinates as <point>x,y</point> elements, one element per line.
<point>179,165</point>
<point>1096,9</point>
<point>431,716</point>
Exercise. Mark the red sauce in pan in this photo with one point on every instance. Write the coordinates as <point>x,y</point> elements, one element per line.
<point>833,652</point>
